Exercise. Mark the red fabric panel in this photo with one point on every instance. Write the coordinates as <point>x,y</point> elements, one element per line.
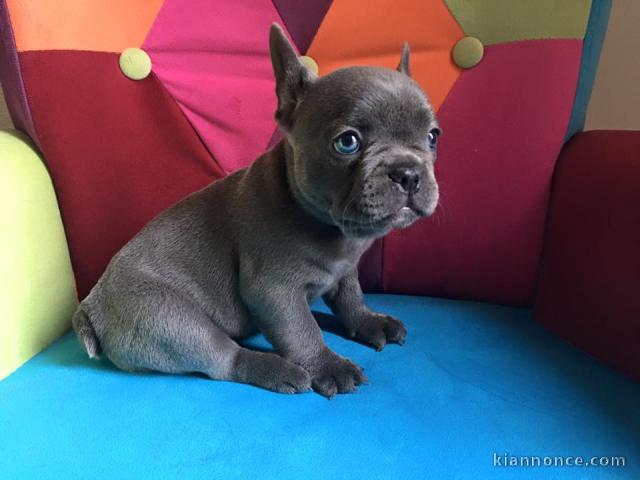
<point>504,123</point>
<point>119,151</point>
<point>590,275</point>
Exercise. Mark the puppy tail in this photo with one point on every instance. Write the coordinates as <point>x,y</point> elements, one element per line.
<point>86,333</point>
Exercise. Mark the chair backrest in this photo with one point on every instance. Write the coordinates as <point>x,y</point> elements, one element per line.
<point>120,150</point>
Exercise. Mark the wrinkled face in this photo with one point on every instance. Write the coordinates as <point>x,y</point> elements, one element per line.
<point>364,144</point>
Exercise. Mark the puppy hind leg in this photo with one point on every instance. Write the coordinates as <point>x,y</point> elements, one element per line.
<point>200,346</point>
<point>215,354</point>
<point>211,351</point>
<point>269,370</point>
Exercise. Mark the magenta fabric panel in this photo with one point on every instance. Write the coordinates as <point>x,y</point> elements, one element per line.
<point>11,77</point>
<point>504,124</point>
<point>213,58</point>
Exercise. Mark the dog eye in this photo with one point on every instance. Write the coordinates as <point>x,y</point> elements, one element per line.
<point>432,138</point>
<point>347,143</point>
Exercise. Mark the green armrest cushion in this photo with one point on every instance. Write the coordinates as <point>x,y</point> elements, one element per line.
<point>37,289</point>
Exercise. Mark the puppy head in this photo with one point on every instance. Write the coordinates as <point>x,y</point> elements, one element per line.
<point>362,142</point>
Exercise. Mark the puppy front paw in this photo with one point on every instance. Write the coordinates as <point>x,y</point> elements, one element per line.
<point>377,329</point>
<point>331,374</point>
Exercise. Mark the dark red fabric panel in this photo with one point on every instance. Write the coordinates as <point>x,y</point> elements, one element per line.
<point>504,124</point>
<point>370,268</point>
<point>302,19</point>
<point>589,286</point>
<point>119,151</point>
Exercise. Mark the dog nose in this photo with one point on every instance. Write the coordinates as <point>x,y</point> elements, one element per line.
<point>407,178</point>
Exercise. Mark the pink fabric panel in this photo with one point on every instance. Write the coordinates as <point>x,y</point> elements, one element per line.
<point>213,57</point>
<point>504,123</point>
<point>275,138</point>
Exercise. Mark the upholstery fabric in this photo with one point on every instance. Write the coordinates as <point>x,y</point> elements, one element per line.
<point>593,41</point>
<point>98,25</point>
<point>106,138</point>
<point>302,19</point>
<point>426,24</point>
<point>497,21</point>
<point>218,70</point>
<point>11,77</point>
<point>118,155</point>
<point>37,291</point>
<point>590,275</point>
<point>472,380</point>
<point>494,172</point>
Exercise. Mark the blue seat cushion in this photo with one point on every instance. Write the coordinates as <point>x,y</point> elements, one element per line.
<point>475,384</point>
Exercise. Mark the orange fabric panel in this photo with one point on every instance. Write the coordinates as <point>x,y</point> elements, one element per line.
<point>372,33</point>
<point>100,25</point>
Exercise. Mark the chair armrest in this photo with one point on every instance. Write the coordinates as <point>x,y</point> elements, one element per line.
<point>37,290</point>
<point>589,283</point>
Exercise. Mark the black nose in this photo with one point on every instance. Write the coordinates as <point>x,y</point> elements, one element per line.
<point>407,178</point>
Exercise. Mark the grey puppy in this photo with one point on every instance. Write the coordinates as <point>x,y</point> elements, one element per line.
<point>250,252</point>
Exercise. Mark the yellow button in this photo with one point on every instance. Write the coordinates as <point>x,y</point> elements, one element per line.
<point>468,52</point>
<point>135,63</point>
<point>310,63</point>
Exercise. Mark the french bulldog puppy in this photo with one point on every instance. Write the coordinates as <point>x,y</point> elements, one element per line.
<point>249,253</point>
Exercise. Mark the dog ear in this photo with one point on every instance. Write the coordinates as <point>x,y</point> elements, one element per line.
<point>292,76</point>
<point>403,66</point>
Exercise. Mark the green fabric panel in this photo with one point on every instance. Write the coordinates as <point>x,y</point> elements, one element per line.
<point>37,290</point>
<point>496,21</point>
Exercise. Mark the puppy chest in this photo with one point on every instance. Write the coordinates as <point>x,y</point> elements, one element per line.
<point>326,277</point>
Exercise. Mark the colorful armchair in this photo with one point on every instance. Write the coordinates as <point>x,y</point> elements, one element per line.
<point>132,104</point>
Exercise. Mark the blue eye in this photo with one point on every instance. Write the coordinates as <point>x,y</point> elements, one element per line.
<point>432,138</point>
<point>347,143</point>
